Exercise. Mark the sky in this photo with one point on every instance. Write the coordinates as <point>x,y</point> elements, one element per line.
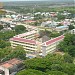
<point>20,0</point>
<point>32,0</point>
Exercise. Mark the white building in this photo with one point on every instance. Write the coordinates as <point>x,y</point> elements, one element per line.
<point>51,45</point>
<point>73,31</point>
<point>27,40</point>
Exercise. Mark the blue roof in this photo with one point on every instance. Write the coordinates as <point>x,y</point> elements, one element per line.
<point>62,27</point>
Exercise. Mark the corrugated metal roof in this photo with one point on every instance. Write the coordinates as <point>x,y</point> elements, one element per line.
<point>53,40</point>
<point>23,40</point>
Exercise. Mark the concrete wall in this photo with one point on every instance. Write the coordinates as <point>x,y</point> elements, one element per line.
<point>5,70</point>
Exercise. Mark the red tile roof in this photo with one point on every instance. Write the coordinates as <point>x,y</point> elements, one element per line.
<point>54,40</point>
<point>11,63</point>
<point>7,65</point>
<point>26,34</point>
<point>15,61</point>
<point>23,40</point>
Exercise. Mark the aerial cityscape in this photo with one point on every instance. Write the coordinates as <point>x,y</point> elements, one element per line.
<point>37,37</point>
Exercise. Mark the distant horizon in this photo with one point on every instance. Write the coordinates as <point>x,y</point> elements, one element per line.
<point>34,0</point>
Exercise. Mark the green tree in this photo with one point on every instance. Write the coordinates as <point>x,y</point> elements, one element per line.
<point>55,67</point>
<point>1,27</point>
<point>71,50</point>
<point>5,52</point>
<point>18,52</point>
<point>39,64</point>
<point>4,44</point>
<point>6,35</point>
<point>71,27</point>
<point>38,16</point>
<point>62,46</point>
<point>69,39</point>
<point>20,29</point>
<point>68,68</point>
<point>52,64</point>
<point>1,54</point>
<point>30,72</point>
<point>68,58</point>
<point>60,17</point>
<point>56,73</point>
<point>68,44</point>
